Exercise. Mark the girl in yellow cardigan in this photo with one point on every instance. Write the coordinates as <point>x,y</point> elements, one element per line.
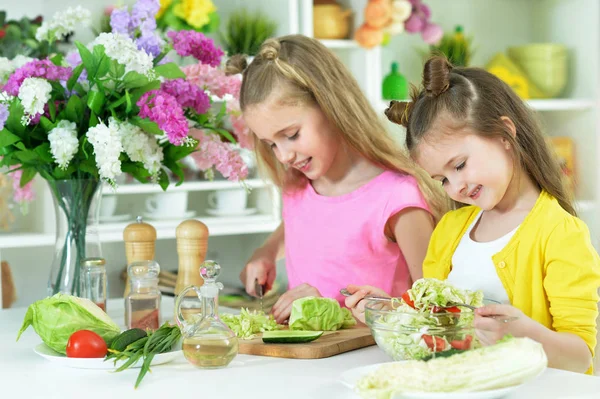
<point>518,238</point>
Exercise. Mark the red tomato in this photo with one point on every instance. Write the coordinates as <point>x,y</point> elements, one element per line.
<point>439,345</point>
<point>409,302</point>
<point>462,344</point>
<point>86,343</point>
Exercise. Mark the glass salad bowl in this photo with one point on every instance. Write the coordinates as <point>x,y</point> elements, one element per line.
<point>404,333</point>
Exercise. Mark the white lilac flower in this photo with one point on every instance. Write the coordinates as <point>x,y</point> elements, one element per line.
<point>141,147</point>
<point>122,49</point>
<point>6,69</point>
<point>20,60</point>
<point>34,93</point>
<point>106,141</point>
<point>63,23</point>
<point>63,142</point>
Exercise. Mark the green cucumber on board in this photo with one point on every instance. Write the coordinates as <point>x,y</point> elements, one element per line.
<point>290,336</point>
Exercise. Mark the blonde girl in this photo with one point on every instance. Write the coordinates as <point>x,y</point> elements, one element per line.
<point>356,210</point>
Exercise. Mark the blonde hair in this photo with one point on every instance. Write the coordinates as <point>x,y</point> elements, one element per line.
<point>309,74</point>
<point>479,100</point>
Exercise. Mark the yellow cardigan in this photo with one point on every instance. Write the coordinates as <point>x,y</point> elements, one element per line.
<point>549,268</point>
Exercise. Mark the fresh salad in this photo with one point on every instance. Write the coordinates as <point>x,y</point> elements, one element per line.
<point>424,321</point>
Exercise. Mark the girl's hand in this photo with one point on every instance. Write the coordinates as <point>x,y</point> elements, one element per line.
<point>283,307</point>
<point>355,301</point>
<point>507,320</point>
<point>261,267</point>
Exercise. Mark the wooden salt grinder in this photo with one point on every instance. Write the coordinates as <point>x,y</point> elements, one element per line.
<point>192,243</point>
<point>140,243</point>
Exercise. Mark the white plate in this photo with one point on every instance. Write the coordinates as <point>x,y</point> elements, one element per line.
<point>114,218</point>
<point>351,377</point>
<point>97,363</point>
<point>228,212</point>
<point>156,216</point>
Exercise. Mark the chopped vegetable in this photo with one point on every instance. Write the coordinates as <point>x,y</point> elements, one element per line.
<point>57,317</point>
<point>249,323</point>
<point>290,336</point>
<point>86,344</point>
<point>319,314</point>
<point>513,362</point>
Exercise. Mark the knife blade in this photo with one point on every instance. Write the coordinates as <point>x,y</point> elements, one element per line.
<point>260,289</point>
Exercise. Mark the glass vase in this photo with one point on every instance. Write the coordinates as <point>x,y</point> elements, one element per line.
<point>76,208</point>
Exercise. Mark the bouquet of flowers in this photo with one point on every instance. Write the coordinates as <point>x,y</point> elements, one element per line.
<point>115,105</point>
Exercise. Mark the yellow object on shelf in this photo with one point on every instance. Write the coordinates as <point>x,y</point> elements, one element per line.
<point>565,151</point>
<point>512,75</point>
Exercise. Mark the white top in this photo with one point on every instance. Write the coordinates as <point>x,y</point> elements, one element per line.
<point>473,268</point>
<point>25,374</point>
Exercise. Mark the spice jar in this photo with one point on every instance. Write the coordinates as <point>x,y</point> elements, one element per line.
<point>93,281</point>
<point>142,304</point>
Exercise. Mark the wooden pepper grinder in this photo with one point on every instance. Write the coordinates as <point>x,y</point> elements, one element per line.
<point>140,243</point>
<point>192,243</point>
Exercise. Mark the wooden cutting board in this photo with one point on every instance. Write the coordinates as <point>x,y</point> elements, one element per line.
<point>331,343</point>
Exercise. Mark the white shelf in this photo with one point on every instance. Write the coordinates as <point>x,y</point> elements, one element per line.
<point>26,240</point>
<point>113,232</point>
<point>340,44</point>
<point>558,104</point>
<point>186,186</point>
<point>561,104</point>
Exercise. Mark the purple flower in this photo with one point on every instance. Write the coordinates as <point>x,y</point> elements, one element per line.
<point>73,58</point>
<point>36,69</point>
<point>193,43</point>
<point>144,10</point>
<point>3,115</point>
<point>120,21</point>
<point>165,111</point>
<point>187,94</point>
<point>150,43</point>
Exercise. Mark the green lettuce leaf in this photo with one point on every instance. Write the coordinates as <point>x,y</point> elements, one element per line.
<point>319,314</point>
<point>247,324</point>
<point>55,318</point>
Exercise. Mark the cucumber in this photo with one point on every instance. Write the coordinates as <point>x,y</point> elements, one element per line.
<point>290,336</point>
<point>126,338</point>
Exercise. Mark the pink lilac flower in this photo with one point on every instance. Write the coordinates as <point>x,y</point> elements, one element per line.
<point>3,115</point>
<point>223,156</point>
<point>165,111</point>
<point>36,69</point>
<point>22,194</point>
<point>213,80</point>
<point>240,129</point>
<point>197,45</point>
<point>187,95</point>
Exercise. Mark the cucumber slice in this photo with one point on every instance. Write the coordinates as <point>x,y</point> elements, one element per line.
<point>290,336</point>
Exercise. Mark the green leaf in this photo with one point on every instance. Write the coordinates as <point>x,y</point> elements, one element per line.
<point>43,152</point>
<point>169,71</point>
<point>52,110</point>
<point>75,109</point>
<point>103,66</point>
<point>7,138</point>
<point>137,170</point>
<point>89,166</point>
<point>93,119</point>
<point>133,80</point>
<point>87,58</point>
<point>21,146</point>
<point>27,156</point>
<point>116,70</point>
<point>146,125</point>
<point>47,124</point>
<point>27,176</point>
<point>15,114</point>
<point>74,76</point>
<point>139,92</point>
<point>96,101</point>
<point>227,135</point>
<point>57,59</point>
<point>177,153</point>
<point>128,99</point>
<point>163,179</point>
<point>63,174</point>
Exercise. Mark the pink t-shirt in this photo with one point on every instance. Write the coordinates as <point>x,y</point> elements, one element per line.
<point>331,242</point>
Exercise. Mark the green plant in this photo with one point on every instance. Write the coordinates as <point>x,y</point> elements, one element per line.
<point>456,47</point>
<point>246,31</point>
<point>18,38</point>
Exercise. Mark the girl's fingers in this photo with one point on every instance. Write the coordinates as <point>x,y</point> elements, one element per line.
<point>354,299</point>
<point>488,310</point>
<point>352,288</point>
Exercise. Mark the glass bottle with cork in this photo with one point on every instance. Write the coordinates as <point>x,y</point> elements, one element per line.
<point>142,304</point>
<point>93,281</point>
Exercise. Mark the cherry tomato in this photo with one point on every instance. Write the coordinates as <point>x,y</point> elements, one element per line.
<point>86,343</point>
<point>439,344</point>
<point>409,302</point>
<point>462,344</point>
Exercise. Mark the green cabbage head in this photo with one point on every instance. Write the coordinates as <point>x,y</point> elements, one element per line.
<point>55,318</point>
<point>319,314</point>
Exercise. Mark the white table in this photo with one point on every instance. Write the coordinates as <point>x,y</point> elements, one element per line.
<point>24,373</point>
